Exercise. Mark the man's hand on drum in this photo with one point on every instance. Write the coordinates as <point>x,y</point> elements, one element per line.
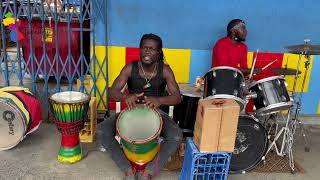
<point>152,102</point>
<point>132,99</point>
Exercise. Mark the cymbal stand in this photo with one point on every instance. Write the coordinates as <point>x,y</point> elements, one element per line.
<point>287,139</point>
<point>298,103</point>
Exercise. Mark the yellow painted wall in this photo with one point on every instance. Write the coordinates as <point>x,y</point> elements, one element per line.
<point>179,61</point>
<point>291,61</point>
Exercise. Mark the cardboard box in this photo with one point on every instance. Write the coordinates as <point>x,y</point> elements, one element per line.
<point>216,125</point>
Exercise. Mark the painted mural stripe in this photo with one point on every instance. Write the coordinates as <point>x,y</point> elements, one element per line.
<point>318,108</point>
<point>291,61</point>
<point>250,59</point>
<point>179,61</point>
<point>200,63</point>
<point>116,61</point>
<point>310,99</point>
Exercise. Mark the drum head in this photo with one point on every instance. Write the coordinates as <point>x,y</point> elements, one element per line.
<point>12,125</point>
<point>140,124</point>
<point>250,146</point>
<point>69,97</point>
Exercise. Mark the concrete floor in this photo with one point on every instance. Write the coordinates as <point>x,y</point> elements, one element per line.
<point>35,158</point>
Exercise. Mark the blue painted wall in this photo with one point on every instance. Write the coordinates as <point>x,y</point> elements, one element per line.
<point>198,24</point>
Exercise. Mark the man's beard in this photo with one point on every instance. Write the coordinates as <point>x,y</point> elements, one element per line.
<point>147,65</point>
<point>239,39</point>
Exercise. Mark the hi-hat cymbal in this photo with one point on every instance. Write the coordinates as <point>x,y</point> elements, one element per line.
<point>306,49</point>
<point>285,71</point>
<point>248,71</point>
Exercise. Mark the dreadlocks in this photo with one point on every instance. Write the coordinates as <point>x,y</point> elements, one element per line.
<point>155,38</point>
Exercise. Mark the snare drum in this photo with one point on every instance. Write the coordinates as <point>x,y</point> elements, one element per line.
<point>250,146</point>
<point>226,83</point>
<point>139,129</point>
<point>20,114</point>
<point>272,95</point>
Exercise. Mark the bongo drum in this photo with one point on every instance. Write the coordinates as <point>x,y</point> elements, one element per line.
<point>139,130</point>
<point>20,115</point>
<point>69,109</point>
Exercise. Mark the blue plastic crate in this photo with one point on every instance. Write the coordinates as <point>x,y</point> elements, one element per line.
<point>204,166</point>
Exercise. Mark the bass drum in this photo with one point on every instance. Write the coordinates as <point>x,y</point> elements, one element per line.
<point>250,146</point>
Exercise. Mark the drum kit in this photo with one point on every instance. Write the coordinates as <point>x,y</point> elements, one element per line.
<point>254,138</point>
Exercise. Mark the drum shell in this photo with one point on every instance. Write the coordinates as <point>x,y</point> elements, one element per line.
<point>251,145</point>
<point>185,112</point>
<point>139,151</point>
<point>224,82</point>
<point>272,95</point>
<point>23,102</point>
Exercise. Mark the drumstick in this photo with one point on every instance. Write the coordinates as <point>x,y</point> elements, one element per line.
<point>269,64</point>
<point>254,64</point>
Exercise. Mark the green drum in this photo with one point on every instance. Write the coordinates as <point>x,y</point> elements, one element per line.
<point>139,130</point>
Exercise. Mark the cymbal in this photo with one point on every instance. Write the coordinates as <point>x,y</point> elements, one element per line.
<point>248,71</point>
<point>306,49</point>
<point>285,71</point>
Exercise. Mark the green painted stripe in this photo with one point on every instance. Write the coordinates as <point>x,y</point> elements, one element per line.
<point>69,152</point>
<point>140,148</point>
<point>69,116</point>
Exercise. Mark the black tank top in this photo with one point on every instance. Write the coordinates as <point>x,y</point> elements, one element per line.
<point>136,82</point>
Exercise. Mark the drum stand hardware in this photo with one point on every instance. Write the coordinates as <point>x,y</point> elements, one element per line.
<point>287,140</point>
<point>299,101</point>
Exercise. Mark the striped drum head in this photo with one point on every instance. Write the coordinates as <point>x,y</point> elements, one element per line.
<point>12,124</point>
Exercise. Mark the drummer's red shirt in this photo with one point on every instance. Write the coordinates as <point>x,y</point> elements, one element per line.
<point>227,53</point>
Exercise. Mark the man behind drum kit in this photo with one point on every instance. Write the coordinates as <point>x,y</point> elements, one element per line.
<point>231,49</point>
<point>146,79</point>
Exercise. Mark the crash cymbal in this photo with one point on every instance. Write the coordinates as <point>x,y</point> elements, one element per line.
<point>306,49</point>
<point>285,71</point>
<point>248,71</point>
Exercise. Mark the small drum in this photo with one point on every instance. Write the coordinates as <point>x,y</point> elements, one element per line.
<point>70,110</point>
<point>226,83</point>
<point>250,146</point>
<point>139,130</point>
<point>20,115</point>
<point>185,112</point>
<point>272,95</point>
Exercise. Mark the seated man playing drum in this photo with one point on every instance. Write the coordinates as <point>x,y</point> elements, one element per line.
<point>147,80</point>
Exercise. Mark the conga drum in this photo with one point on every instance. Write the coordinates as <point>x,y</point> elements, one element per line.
<point>139,129</point>
<point>20,115</point>
<point>69,109</point>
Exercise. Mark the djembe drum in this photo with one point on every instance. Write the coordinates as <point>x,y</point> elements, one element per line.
<point>69,109</point>
<point>139,130</point>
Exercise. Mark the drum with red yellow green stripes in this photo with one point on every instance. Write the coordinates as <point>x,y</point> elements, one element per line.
<point>139,129</point>
<point>70,109</point>
<point>20,114</point>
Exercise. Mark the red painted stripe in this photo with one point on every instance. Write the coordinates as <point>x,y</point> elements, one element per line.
<point>265,58</point>
<point>132,54</point>
<point>70,140</point>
